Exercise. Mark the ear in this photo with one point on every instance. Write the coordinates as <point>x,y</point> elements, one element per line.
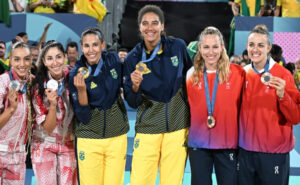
<point>162,27</point>
<point>269,48</point>
<point>103,45</point>
<point>199,47</point>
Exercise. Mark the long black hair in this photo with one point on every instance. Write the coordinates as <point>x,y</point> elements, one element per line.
<point>42,72</point>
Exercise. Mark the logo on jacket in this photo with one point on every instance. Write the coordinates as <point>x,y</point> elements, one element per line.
<point>114,73</point>
<point>81,155</point>
<point>136,143</point>
<point>174,61</point>
<point>93,85</point>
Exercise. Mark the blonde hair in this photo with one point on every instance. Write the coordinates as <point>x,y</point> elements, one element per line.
<point>223,63</point>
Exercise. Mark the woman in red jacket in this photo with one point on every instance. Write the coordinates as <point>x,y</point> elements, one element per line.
<point>266,117</point>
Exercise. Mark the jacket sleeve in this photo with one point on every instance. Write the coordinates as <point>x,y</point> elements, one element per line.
<point>83,113</point>
<point>290,103</point>
<point>187,59</point>
<point>134,99</point>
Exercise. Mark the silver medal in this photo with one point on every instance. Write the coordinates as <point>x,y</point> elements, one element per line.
<point>52,84</point>
<point>15,85</point>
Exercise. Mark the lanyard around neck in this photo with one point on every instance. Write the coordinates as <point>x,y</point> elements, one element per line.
<point>153,55</point>
<point>99,66</point>
<point>266,68</point>
<point>210,104</point>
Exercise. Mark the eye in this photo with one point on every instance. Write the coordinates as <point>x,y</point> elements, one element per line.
<point>144,23</point>
<point>155,22</point>
<point>27,59</point>
<point>251,44</point>
<point>215,46</point>
<point>95,44</point>
<point>261,45</point>
<point>86,45</point>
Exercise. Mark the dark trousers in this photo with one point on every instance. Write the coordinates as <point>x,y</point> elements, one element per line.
<point>203,160</point>
<point>257,168</point>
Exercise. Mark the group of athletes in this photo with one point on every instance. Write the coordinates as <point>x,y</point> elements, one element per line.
<point>239,121</point>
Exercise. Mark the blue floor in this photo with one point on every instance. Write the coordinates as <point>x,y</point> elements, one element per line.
<point>295,159</point>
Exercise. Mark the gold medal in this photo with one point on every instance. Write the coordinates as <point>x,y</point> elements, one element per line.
<point>142,67</point>
<point>84,71</point>
<point>265,78</point>
<point>15,85</point>
<point>211,122</point>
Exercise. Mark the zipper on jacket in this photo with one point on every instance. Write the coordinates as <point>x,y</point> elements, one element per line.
<point>167,121</point>
<point>104,125</point>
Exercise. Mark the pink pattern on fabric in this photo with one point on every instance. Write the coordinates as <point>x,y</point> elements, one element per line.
<point>290,44</point>
<point>14,132</point>
<point>54,163</point>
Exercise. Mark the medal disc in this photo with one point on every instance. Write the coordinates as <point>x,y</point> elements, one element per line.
<point>52,84</point>
<point>265,78</point>
<point>211,122</point>
<point>142,67</point>
<point>84,71</point>
<point>15,85</point>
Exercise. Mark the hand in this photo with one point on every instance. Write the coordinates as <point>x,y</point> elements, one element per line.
<point>52,97</point>
<point>136,79</point>
<point>13,99</point>
<point>79,82</point>
<point>279,85</point>
<point>19,39</point>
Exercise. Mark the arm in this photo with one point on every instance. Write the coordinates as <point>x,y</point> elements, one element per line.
<point>83,113</point>
<point>50,121</point>
<point>18,7</point>
<point>277,11</point>
<point>32,6</point>
<point>287,98</point>
<point>132,82</point>
<point>43,37</point>
<point>10,110</point>
<point>234,7</point>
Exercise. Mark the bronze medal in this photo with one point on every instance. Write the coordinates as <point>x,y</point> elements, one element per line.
<point>15,85</point>
<point>265,78</point>
<point>211,122</point>
<point>84,71</point>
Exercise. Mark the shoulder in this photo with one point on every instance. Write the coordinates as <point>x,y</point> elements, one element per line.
<point>173,42</point>
<point>190,72</point>
<point>111,58</point>
<point>236,68</point>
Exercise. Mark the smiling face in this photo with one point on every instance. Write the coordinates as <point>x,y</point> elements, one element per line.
<point>258,48</point>
<point>151,28</point>
<point>210,49</point>
<point>54,61</point>
<point>21,61</point>
<point>92,48</point>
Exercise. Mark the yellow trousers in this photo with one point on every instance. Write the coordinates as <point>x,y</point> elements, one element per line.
<point>166,151</point>
<point>101,161</point>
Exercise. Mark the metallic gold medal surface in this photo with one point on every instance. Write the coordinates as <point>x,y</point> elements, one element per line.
<point>211,122</point>
<point>265,78</point>
<point>52,84</point>
<point>142,67</point>
<point>15,85</point>
<point>84,71</point>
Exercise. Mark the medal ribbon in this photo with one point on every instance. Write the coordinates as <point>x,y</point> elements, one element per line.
<point>99,66</point>
<point>266,68</point>
<point>24,87</point>
<point>61,88</point>
<point>153,55</point>
<point>210,104</point>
